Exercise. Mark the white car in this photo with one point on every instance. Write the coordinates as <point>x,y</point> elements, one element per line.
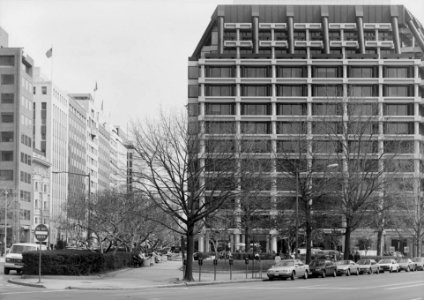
<point>388,264</point>
<point>347,267</point>
<point>288,268</point>
<point>13,259</point>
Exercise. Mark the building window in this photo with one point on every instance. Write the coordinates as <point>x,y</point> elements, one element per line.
<point>399,128</point>
<point>6,136</point>
<point>220,127</point>
<point>280,35</point>
<point>291,127</point>
<point>291,146</point>
<point>34,90</point>
<point>7,79</point>
<point>350,36</point>
<point>335,36</point>
<point>398,91</point>
<point>255,90</point>
<point>385,36</point>
<point>220,90</point>
<point>363,146</point>
<point>6,155</point>
<point>255,127</point>
<point>256,72</point>
<point>291,109</point>
<point>219,109</point>
<point>315,35</point>
<point>7,98</point>
<point>291,90</point>
<point>327,72</point>
<point>362,72</point>
<point>7,60</point>
<point>363,90</point>
<point>364,109</point>
<point>327,90</point>
<point>44,90</point>
<point>300,35</point>
<point>369,35</point>
<point>399,165</point>
<point>245,35</point>
<point>219,146</point>
<point>6,117</point>
<point>193,109</point>
<point>399,147</point>
<point>264,35</point>
<point>399,109</point>
<point>6,175</point>
<point>220,71</point>
<point>398,72</point>
<point>255,146</point>
<point>319,146</point>
<point>328,128</point>
<point>290,72</point>
<point>326,109</point>
<point>230,35</point>
<point>255,109</point>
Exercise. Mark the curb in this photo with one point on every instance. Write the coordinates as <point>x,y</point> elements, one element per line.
<point>26,283</point>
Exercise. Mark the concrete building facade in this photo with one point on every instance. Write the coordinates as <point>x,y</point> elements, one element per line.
<point>267,74</point>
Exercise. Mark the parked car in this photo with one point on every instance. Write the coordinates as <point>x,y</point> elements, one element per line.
<point>406,264</point>
<point>323,268</point>
<point>347,267</point>
<point>368,266</point>
<point>13,259</point>
<point>419,261</point>
<point>388,264</point>
<point>288,268</point>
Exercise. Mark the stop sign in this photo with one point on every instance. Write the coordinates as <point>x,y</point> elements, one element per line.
<point>41,232</point>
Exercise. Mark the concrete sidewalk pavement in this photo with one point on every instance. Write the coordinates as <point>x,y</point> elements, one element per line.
<point>165,274</point>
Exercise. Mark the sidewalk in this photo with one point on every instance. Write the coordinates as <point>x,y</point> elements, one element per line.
<point>165,274</point>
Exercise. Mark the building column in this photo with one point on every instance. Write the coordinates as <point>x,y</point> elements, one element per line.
<point>395,28</point>
<point>206,241</point>
<point>221,14</point>
<point>255,29</point>
<point>360,26</point>
<point>290,28</point>
<point>274,243</point>
<point>236,242</point>
<point>324,17</point>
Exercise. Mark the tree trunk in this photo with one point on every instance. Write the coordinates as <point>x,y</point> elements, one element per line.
<point>347,241</point>
<point>308,234</point>
<point>188,274</point>
<point>379,242</point>
<point>246,240</point>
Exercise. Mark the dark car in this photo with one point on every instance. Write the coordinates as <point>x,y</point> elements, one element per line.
<point>322,268</point>
<point>406,264</point>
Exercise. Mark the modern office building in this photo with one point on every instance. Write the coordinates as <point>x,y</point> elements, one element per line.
<point>105,159</point>
<point>50,137</point>
<point>16,79</point>
<point>270,74</point>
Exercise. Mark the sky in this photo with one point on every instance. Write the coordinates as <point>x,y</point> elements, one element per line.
<point>135,50</point>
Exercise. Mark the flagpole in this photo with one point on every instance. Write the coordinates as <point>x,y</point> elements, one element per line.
<point>51,66</point>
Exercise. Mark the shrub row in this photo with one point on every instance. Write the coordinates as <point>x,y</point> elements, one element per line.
<point>74,262</point>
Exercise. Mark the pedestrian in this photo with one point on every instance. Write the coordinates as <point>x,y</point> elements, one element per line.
<point>357,256</point>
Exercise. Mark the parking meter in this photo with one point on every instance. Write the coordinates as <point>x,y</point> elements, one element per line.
<point>246,260</point>
<point>215,262</point>
<point>230,261</point>
<point>200,261</point>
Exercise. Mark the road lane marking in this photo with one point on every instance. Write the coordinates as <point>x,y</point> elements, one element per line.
<point>394,284</point>
<point>406,286</point>
<point>416,299</point>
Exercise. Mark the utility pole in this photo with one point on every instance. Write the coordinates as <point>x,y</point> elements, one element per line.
<point>5,220</point>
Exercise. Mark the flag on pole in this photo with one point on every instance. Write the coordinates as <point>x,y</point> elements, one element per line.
<point>95,87</point>
<point>49,53</point>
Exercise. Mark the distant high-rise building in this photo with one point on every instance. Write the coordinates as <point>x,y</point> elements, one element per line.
<point>51,110</point>
<point>16,83</point>
<point>105,160</point>
<point>270,75</point>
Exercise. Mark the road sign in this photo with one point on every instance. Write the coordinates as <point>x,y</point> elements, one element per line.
<point>41,232</point>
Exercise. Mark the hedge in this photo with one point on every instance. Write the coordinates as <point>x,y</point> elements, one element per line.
<point>74,262</point>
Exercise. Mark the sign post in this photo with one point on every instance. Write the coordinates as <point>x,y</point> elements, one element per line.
<point>41,233</point>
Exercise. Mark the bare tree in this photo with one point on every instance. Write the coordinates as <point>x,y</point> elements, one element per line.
<point>184,180</point>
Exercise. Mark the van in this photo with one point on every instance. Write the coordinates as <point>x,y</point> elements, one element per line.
<point>13,259</point>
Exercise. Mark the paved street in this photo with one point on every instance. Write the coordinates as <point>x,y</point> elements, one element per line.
<point>399,286</point>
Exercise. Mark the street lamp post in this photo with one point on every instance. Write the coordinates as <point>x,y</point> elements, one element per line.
<point>5,221</point>
<point>89,195</point>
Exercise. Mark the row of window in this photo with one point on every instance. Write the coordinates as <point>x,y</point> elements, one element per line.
<point>25,177</point>
<point>25,196</point>
<point>301,72</point>
<point>301,146</point>
<point>318,109</point>
<point>43,90</point>
<point>25,158</point>
<point>301,90</point>
<point>318,165</point>
<point>6,136</point>
<point>301,128</point>
<point>314,35</point>
<point>26,140</point>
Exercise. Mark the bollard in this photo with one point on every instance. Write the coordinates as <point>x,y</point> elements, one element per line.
<point>246,261</point>
<point>215,262</point>
<point>230,261</point>
<point>200,262</point>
